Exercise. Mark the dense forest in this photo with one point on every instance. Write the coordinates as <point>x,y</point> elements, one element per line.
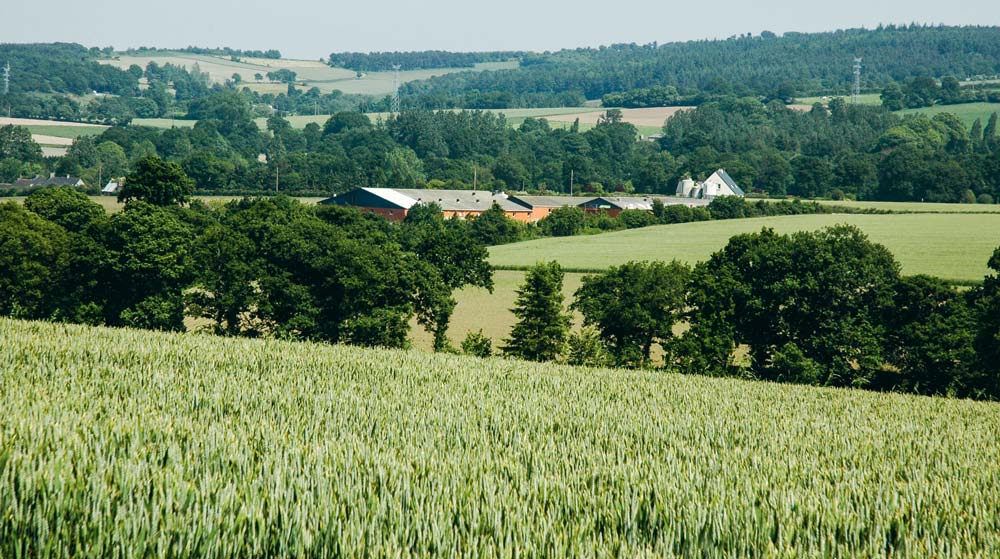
<point>765,65</point>
<point>64,68</point>
<point>422,60</point>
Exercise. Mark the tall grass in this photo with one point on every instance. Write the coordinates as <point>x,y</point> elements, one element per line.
<point>118,443</point>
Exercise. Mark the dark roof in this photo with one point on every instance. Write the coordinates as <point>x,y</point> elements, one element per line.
<point>405,198</point>
<point>641,202</point>
<point>47,181</point>
<point>551,201</point>
<point>730,182</point>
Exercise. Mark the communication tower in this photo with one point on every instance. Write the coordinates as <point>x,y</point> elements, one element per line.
<point>6,79</point>
<point>856,92</point>
<point>395,88</point>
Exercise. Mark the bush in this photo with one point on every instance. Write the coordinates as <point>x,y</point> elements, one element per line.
<point>984,199</point>
<point>477,344</point>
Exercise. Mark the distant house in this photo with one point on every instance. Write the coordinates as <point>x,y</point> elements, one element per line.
<point>51,180</point>
<point>542,206</point>
<point>112,188</point>
<point>395,203</point>
<point>719,184</point>
<point>614,205</point>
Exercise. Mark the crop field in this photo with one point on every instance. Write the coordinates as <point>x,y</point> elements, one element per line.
<point>309,73</point>
<point>121,443</point>
<point>966,112</point>
<point>950,246</point>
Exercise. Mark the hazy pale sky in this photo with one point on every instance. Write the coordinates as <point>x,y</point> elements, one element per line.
<point>314,28</point>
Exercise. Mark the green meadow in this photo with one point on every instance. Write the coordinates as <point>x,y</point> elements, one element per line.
<point>950,246</point>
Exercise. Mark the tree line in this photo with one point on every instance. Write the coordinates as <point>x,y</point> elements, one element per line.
<point>766,65</point>
<point>419,60</point>
<point>824,308</point>
<point>258,268</point>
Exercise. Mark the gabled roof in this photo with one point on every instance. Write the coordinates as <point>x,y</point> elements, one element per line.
<point>461,200</point>
<point>551,201</point>
<point>722,174</point>
<point>641,202</point>
<point>448,200</point>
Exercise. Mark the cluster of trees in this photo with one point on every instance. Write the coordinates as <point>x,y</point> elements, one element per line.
<point>766,66</point>
<point>845,150</point>
<point>826,308</point>
<point>273,54</point>
<point>63,68</point>
<point>924,91</point>
<point>655,96</point>
<point>421,60</point>
<point>267,267</point>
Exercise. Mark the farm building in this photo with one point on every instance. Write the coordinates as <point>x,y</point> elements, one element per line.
<point>614,205</point>
<point>542,206</point>
<point>719,184</point>
<point>395,203</point>
<point>112,188</point>
<point>51,180</point>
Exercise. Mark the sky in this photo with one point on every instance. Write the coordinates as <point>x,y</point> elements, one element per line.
<point>312,29</point>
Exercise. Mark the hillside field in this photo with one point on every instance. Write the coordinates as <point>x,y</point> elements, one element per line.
<point>966,112</point>
<point>309,73</point>
<point>951,246</point>
<point>139,443</point>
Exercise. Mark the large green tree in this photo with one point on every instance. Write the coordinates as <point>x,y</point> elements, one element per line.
<point>542,323</point>
<point>157,182</point>
<point>634,306</point>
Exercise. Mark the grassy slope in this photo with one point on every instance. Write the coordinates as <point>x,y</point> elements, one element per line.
<point>967,112</point>
<point>272,448</point>
<point>312,72</point>
<point>953,246</point>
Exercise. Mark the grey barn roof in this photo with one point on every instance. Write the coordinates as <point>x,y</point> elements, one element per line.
<point>643,202</point>
<point>551,201</point>
<point>448,200</point>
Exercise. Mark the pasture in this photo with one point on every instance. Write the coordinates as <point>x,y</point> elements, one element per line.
<point>133,443</point>
<point>951,246</point>
<point>966,112</point>
<point>914,207</point>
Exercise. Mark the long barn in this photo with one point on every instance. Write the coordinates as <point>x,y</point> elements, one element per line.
<point>394,203</point>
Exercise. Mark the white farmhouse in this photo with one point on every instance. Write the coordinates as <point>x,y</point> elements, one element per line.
<point>719,184</point>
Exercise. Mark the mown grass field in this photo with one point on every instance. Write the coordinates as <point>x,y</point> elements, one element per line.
<point>131,444</point>
<point>916,207</point>
<point>966,112</point>
<point>950,246</point>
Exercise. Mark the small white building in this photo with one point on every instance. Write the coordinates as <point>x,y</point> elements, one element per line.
<point>719,184</point>
<point>112,188</point>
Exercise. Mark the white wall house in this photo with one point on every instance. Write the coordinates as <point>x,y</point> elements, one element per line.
<point>719,184</point>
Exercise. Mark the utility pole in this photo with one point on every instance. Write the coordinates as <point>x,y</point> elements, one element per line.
<point>475,177</point>
<point>856,92</point>
<point>571,182</point>
<point>6,86</point>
